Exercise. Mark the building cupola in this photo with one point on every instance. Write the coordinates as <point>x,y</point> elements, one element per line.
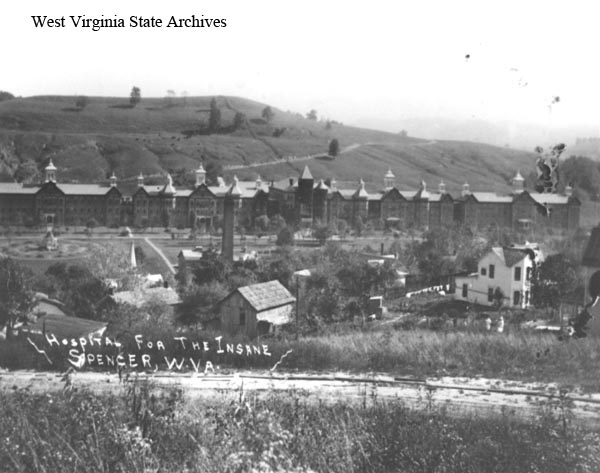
<point>50,172</point>
<point>140,180</point>
<point>569,190</point>
<point>517,183</point>
<point>442,187</point>
<point>113,180</point>
<point>466,190</point>
<point>389,180</point>
<point>200,176</point>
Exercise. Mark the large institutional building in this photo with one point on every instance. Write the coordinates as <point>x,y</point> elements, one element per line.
<point>301,201</point>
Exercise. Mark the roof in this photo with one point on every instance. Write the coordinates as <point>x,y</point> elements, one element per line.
<point>591,255</point>
<point>69,189</point>
<point>361,193</point>
<point>138,298</point>
<point>16,188</point>
<point>549,198</point>
<point>510,256</point>
<point>266,295</point>
<point>491,197</point>
<point>306,174</point>
<point>65,327</point>
<point>84,189</point>
<point>190,255</point>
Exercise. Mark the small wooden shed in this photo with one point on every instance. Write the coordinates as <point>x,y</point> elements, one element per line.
<point>256,309</point>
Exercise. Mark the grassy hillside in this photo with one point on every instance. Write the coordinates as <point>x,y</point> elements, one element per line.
<point>161,135</point>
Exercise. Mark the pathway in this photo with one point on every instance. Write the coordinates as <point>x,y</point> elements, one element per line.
<point>160,253</point>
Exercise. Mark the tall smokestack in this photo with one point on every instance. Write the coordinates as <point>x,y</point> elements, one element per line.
<point>228,220</point>
<point>231,199</point>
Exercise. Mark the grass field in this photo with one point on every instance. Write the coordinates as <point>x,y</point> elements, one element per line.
<point>86,145</point>
<point>146,431</point>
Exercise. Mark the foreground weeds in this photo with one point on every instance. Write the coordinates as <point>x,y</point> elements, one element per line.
<point>145,430</point>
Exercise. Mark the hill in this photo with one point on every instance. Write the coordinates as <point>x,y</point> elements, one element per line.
<point>170,134</point>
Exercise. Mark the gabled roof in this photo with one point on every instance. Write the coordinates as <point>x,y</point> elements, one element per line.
<point>510,256</point>
<point>306,174</point>
<point>266,295</point>
<point>591,255</point>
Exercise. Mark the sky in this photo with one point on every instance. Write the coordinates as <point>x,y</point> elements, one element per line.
<point>515,61</point>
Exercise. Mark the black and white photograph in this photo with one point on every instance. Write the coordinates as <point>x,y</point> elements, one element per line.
<point>299,237</point>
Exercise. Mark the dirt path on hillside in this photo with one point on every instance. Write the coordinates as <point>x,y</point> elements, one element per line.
<point>457,396</point>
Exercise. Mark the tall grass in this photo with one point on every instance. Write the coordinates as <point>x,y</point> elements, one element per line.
<point>145,431</point>
<point>519,355</point>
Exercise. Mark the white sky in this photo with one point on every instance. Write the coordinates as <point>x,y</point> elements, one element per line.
<point>348,59</point>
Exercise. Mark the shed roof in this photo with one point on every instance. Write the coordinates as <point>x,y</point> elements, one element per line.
<point>65,327</point>
<point>266,295</point>
<point>139,298</point>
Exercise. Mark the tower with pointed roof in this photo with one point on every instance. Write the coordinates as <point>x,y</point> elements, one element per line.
<point>113,180</point>
<point>50,172</point>
<point>360,201</point>
<point>320,201</point>
<point>200,176</point>
<point>305,197</point>
<point>517,183</point>
<point>389,180</point>
<point>140,180</point>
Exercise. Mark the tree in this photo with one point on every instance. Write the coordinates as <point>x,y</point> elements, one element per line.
<point>312,115</point>
<point>90,225</point>
<point>198,303</point>
<point>267,113</point>
<point>79,287</point>
<point>214,118</point>
<point>16,294</point>
<point>499,297</point>
<point>238,120</point>
<point>334,147</point>
<point>555,278</point>
<point>81,102</point>
<point>322,232</point>
<point>277,223</point>
<point>261,224</point>
<point>285,237</point>
<point>135,96</point>
<point>5,96</point>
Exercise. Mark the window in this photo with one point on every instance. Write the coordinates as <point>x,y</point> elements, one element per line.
<point>528,274</point>
<point>518,273</point>
<point>517,298</point>
<point>465,290</point>
<point>526,298</point>
<point>483,271</point>
<point>242,316</point>
<point>491,271</point>
<point>490,294</point>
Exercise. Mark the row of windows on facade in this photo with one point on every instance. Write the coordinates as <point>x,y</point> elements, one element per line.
<point>490,272</point>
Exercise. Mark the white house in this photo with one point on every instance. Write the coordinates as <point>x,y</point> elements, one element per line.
<point>507,268</point>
